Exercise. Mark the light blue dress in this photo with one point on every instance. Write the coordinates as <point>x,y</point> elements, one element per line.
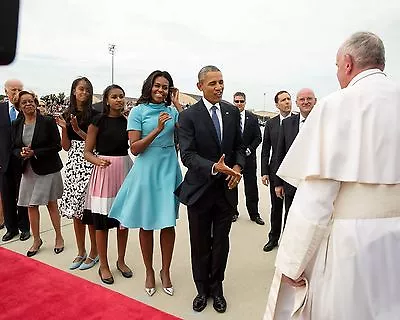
<point>146,199</point>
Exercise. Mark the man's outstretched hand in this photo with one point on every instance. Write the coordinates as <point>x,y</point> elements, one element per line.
<point>233,175</point>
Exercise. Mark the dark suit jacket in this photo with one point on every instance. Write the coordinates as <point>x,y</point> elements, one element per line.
<point>200,149</point>
<point>251,134</point>
<point>5,137</point>
<point>288,132</point>
<point>270,141</point>
<point>46,144</point>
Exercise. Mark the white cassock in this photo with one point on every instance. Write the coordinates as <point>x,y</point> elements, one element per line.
<point>343,228</point>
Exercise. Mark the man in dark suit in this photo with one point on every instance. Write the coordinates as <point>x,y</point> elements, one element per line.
<point>212,150</point>
<point>269,165</point>
<point>16,218</point>
<point>289,129</point>
<point>251,135</point>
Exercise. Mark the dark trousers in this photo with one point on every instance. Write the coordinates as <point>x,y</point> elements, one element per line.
<point>210,220</point>
<point>15,218</point>
<point>276,212</point>
<point>250,187</point>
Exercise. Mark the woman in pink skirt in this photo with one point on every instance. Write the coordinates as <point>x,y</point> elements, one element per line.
<point>108,136</point>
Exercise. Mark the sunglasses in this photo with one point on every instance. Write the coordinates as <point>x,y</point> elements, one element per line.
<point>239,101</point>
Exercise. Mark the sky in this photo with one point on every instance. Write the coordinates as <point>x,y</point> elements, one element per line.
<point>260,46</point>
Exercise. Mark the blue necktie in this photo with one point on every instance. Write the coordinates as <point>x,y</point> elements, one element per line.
<point>13,113</point>
<point>215,120</point>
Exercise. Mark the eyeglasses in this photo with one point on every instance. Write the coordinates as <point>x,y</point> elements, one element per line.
<point>306,99</point>
<point>239,101</point>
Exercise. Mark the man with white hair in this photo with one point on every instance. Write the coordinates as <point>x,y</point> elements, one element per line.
<point>345,163</point>
<point>16,218</point>
<point>305,101</point>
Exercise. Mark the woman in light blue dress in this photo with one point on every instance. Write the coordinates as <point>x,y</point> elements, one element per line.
<point>146,199</point>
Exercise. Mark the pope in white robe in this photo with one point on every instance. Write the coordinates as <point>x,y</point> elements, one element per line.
<point>343,230</point>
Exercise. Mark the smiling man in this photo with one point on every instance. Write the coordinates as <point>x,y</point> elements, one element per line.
<point>211,148</point>
<point>305,101</point>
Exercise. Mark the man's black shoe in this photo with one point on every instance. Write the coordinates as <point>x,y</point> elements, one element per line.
<point>270,246</point>
<point>25,235</point>
<point>200,302</point>
<point>258,220</point>
<point>219,304</point>
<point>9,235</point>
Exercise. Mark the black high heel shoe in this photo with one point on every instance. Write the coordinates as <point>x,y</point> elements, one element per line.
<point>31,253</point>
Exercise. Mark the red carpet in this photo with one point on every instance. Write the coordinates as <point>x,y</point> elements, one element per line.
<point>32,290</point>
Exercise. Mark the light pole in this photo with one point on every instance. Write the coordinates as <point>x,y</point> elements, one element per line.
<point>111,50</point>
<point>264,99</point>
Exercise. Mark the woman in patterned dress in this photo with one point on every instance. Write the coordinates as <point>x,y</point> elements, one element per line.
<point>74,123</point>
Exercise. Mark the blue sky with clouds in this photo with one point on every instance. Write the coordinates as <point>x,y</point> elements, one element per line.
<point>260,46</point>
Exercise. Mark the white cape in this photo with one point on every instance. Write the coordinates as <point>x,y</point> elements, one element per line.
<point>343,229</point>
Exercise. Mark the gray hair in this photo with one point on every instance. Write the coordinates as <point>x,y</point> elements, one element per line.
<point>366,48</point>
<point>203,71</point>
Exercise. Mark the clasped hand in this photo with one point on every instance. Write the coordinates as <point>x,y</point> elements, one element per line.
<point>233,175</point>
<point>27,152</point>
<point>103,163</point>
<point>300,282</point>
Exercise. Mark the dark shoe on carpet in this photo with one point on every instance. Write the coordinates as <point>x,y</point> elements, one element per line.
<point>219,304</point>
<point>125,274</point>
<point>25,235</point>
<point>258,220</point>
<point>200,302</point>
<point>9,235</point>
<point>31,253</point>
<point>109,280</point>
<point>270,246</point>
<point>235,217</point>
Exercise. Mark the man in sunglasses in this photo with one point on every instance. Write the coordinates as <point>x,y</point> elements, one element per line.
<point>251,135</point>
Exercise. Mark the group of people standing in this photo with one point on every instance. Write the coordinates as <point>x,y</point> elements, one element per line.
<point>102,189</point>
<point>343,224</point>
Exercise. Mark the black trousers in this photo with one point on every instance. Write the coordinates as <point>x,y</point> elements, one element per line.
<point>250,187</point>
<point>210,220</point>
<point>15,218</point>
<point>276,212</point>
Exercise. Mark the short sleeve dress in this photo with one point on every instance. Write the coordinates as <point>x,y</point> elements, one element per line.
<point>146,199</point>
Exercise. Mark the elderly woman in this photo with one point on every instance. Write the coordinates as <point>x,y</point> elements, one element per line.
<point>36,141</point>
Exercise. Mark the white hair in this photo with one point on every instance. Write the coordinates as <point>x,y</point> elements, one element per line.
<point>366,48</point>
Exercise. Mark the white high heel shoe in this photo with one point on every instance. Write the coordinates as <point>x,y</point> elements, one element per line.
<point>150,291</point>
<point>170,290</point>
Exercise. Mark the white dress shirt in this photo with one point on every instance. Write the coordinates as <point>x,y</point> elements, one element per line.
<point>301,122</point>
<point>281,117</point>
<point>243,119</point>
<point>218,112</point>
